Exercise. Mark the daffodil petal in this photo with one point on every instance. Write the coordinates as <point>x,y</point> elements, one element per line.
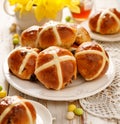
<point>75,9</point>
<point>12,2</point>
<point>75,2</point>
<point>29,5</point>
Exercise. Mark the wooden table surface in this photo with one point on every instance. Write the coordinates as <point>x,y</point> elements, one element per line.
<point>58,109</point>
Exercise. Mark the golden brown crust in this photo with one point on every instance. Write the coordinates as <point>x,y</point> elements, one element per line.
<point>17,59</point>
<point>92,60</point>
<point>106,21</point>
<point>29,36</point>
<point>82,35</point>
<point>68,35</point>
<point>17,113</point>
<point>47,38</point>
<point>55,67</point>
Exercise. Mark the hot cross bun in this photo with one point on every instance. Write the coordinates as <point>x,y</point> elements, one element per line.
<point>92,60</point>
<point>55,67</point>
<point>105,21</point>
<point>16,110</point>
<point>21,62</point>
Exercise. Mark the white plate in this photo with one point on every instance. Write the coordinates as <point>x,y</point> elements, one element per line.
<point>100,37</point>
<point>43,114</point>
<point>78,89</point>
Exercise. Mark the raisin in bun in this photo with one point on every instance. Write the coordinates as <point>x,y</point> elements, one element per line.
<point>21,62</point>
<point>16,110</point>
<point>55,67</point>
<point>106,21</point>
<point>92,60</point>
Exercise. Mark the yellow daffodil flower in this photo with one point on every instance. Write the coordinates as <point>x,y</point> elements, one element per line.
<point>44,8</point>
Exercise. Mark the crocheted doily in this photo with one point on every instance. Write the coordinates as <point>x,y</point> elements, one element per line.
<point>106,104</point>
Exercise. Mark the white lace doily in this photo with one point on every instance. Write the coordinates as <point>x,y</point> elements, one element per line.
<point>106,104</point>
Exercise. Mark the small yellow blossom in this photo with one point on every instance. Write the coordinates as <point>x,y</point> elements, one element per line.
<point>44,8</point>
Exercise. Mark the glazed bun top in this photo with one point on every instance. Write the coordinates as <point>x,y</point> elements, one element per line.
<point>21,62</point>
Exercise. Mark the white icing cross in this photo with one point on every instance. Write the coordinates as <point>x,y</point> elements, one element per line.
<point>54,28</point>
<point>102,16</point>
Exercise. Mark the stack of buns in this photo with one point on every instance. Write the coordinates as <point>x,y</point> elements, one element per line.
<point>16,110</point>
<point>56,66</point>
